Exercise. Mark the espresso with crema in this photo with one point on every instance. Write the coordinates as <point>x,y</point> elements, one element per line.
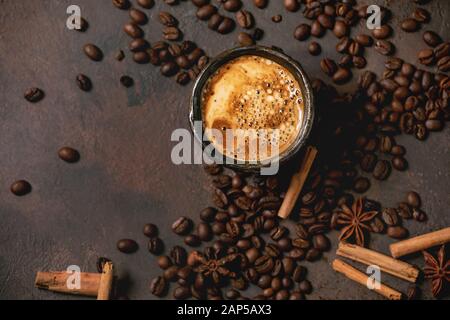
<point>258,100</point>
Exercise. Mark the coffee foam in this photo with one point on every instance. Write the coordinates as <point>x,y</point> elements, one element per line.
<point>252,92</point>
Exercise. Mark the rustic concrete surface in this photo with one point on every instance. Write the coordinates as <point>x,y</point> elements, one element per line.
<point>125,177</point>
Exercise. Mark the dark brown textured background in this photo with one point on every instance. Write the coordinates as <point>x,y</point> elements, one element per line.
<point>125,177</point>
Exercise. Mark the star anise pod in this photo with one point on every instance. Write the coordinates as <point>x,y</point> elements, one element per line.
<point>218,269</point>
<point>355,221</point>
<point>438,270</point>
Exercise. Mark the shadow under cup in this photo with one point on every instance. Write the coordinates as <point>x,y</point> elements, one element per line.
<point>196,114</point>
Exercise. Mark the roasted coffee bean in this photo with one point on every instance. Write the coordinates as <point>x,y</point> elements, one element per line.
<point>359,62</point>
<point>171,2</point>
<point>121,4</point>
<point>419,215</point>
<point>208,214</point>
<point>443,64</point>
<point>302,32</point>
<point>133,30</point>
<point>434,124</point>
<point>261,4</point>
<point>264,264</point>
<point>245,39</point>
<point>391,217</point>
<point>361,185</point>
<point>127,246</point>
<point>218,228</point>
<point>69,155</point>
<point>282,295</point>
<point>342,75</point>
<point>171,273</point>
<point>317,30</point>
<point>291,5</point>
<point>192,240</point>
<point>204,231</point>
<point>146,4</point>
<point>285,244</point>
<point>264,281</point>
<point>386,144</point>
<point>328,66</point>
<point>171,33</point>
<point>410,25</point>
<point>21,188</point>
<point>426,57</point>
<point>175,50</point>
<point>366,79</point>
<point>150,230</point>
<point>141,57</point>
<point>164,55</point>
<point>393,63</point>
<point>158,286</point>
<point>138,17</point>
<point>155,246</point>
<point>382,170</point>
<point>167,19</point>
<point>340,29</point>
<point>313,255</point>
<point>178,255</point>
<point>297,254</point>
<point>245,19</point>
<point>377,225</point>
<point>169,69</point>
<point>305,287</point>
<point>183,62</point>
<point>182,226</point>
<point>431,38</point>
<point>205,12</point>
<point>195,55</point>
<point>299,274</point>
<point>404,211</point>
<point>138,45</point>
<point>321,242</point>
<point>314,48</point>
<point>215,21</point>
<point>126,81</point>
<point>399,163</point>
<point>182,78</point>
<point>232,5</point>
<point>421,15</point>
<point>326,21</point>
<point>397,232</point>
<point>413,199</point>
<point>364,40</point>
<point>384,47</point>
<point>181,293</point>
<point>93,52</point>
<point>382,33</point>
<point>398,150</point>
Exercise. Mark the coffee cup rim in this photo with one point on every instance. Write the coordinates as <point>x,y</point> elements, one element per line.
<point>277,56</point>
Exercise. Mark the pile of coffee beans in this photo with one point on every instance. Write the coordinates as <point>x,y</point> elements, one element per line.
<point>249,244</point>
<point>182,60</point>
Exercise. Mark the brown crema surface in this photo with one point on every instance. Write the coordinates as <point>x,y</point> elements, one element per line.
<point>256,100</point>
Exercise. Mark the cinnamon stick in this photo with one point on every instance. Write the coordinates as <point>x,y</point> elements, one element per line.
<point>420,243</point>
<point>297,182</point>
<point>362,278</point>
<point>386,264</point>
<point>57,282</point>
<point>106,282</point>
